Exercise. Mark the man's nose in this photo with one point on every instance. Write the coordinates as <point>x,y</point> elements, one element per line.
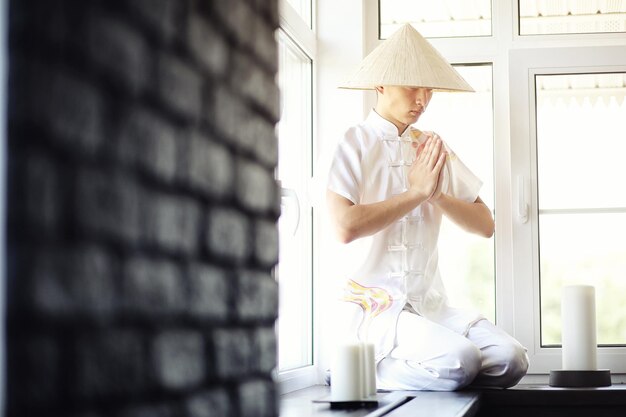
<point>420,97</point>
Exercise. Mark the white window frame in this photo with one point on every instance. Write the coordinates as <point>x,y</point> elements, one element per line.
<point>340,49</point>
<point>525,65</point>
<point>304,37</point>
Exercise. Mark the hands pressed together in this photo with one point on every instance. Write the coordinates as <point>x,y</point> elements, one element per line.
<point>425,174</point>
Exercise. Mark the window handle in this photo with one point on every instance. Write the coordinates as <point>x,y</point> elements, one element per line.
<point>287,194</point>
<point>522,204</point>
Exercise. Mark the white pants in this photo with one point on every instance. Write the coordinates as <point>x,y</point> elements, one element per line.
<point>429,356</point>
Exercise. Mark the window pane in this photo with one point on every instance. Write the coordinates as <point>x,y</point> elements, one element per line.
<point>465,122</point>
<point>295,230</point>
<point>581,140</point>
<point>581,122</point>
<point>436,19</point>
<point>586,248</point>
<point>571,16</point>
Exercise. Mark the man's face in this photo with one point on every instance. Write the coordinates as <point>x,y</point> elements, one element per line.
<point>403,105</point>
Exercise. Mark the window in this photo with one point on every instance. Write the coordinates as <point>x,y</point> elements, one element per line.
<point>436,19</point>
<point>581,123</point>
<point>571,16</point>
<point>294,271</point>
<point>304,8</point>
<point>568,125</point>
<point>295,260</point>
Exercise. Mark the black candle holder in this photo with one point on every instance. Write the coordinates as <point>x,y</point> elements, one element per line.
<point>580,378</point>
<point>349,405</point>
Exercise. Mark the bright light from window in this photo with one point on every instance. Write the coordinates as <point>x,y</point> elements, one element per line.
<point>581,143</point>
<point>436,19</point>
<point>294,271</point>
<point>571,16</point>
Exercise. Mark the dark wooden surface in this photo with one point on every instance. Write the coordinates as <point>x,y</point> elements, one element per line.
<point>421,403</point>
<point>519,401</point>
<point>542,400</point>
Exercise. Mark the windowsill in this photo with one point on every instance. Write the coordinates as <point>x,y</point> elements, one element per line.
<point>297,379</point>
<point>521,400</point>
<point>433,404</point>
<point>525,400</point>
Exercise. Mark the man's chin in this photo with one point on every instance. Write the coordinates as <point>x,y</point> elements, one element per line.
<point>412,119</point>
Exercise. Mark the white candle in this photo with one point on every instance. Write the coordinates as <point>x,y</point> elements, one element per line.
<point>369,370</point>
<point>578,315</point>
<point>346,373</point>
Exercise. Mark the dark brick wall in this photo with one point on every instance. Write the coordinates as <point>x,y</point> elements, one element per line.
<point>142,208</point>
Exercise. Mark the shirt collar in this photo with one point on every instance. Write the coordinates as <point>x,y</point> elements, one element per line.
<point>383,127</point>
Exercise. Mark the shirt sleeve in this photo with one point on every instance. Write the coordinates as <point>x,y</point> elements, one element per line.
<point>461,182</point>
<point>345,176</point>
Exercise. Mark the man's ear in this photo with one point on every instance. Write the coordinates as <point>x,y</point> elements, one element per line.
<point>380,89</point>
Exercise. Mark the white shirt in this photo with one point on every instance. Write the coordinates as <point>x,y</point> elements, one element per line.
<point>399,264</point>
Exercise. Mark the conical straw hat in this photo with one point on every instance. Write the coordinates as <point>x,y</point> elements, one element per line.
<point>406,59</point>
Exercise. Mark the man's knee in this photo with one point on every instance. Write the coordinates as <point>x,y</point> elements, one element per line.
<point>517,360</point>
<point>470,359</point>
<point>505,364</point>
<point>450,372</point>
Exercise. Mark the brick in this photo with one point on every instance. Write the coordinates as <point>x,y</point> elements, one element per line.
<point>251,134</point>
<point>155,410</point>
<point>74,281</point>
<point>118,50</point>
<point>108,205</point>
<point>227,113</point>
<point>272,13</point>
<point>237,16</point>
<point>179,87</point>
<point>32,19</point>
<point>211,403</point>
<point>266,243</point>
<point>255,186</point>
<point>228,234</point>
<point>109,363</point>
<point>257,398</point>
<point>179,359</point>
<point>266,143</point>
<point>257,296</point>
<point>269,10</point>
<point>44,193</point>
<point>265,349</point>
<point>153,288</point>
<point>265,44</point>
<point>152,410</point>
<point>38,198</point>
<point>34,371</point>
<point>209,292</point>
<point>148,141</point>
<point>159,15</point>
<point>171,222</point>
<point>256,84</point>
<point>85,414</point>
<point>208,46</point>
<point>233,353</point>
<point>210,166</point>
<point>68,108</point>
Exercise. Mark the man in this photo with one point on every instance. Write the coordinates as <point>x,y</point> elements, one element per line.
<point>389,186</point>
